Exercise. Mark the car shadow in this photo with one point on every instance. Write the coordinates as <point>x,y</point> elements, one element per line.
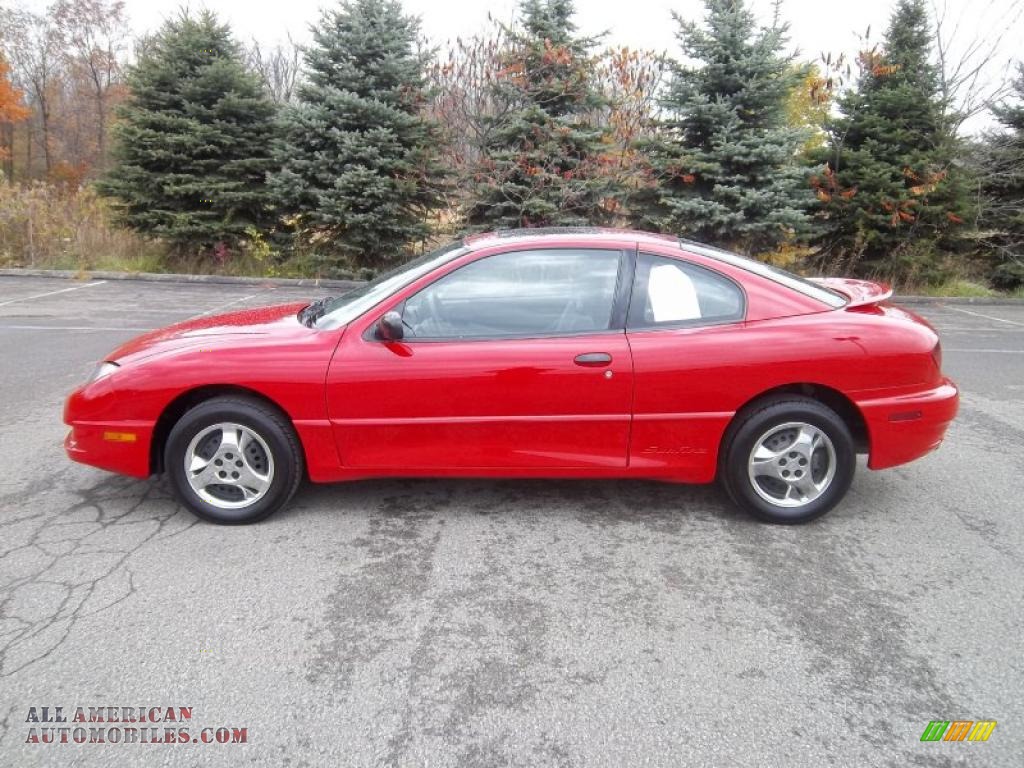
<point>598,502</point>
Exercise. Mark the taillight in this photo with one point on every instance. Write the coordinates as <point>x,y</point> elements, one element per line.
<point>937,356</point>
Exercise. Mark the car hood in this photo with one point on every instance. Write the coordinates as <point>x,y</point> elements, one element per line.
<point>279,320</point>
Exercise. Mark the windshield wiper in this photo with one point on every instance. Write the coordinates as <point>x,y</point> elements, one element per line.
<point>310,314</point>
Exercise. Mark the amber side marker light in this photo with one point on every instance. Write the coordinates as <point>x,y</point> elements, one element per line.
<point>120,437</point>
<point>905,416</point>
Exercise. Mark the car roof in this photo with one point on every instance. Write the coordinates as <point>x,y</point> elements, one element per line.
<point>572,235</point>
<point>563,234</point>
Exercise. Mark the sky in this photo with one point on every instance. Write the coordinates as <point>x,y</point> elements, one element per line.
<point>816,26</point>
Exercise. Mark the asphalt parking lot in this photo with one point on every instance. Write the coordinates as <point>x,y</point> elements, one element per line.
<point>478,623</point>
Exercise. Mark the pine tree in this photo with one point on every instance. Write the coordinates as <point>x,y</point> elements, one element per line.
<point>725,162</point>
<point>890,193</point>
<point>1003,184</point>
<point>193,140</point>
<point>545,163</point>
<point>360,169</point>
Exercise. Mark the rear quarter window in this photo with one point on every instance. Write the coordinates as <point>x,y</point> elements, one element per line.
<point>673,293</point>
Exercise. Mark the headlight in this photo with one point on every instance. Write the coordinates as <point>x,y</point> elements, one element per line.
<point>103,369</point>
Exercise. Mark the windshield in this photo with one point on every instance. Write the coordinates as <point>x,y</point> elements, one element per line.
<point>347,307</point>
<point>815,291</point>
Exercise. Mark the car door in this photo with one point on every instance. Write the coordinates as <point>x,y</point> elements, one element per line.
<point>684,328</point>
<point>511,361</point>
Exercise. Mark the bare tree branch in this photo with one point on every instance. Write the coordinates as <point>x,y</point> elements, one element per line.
<point>32,44</point>
<point>277,67</point>
<point>93,35</point>
<point>973,77</point>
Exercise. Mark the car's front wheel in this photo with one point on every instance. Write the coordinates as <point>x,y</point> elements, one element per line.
<point>788,460</point>
<point>233,460</point>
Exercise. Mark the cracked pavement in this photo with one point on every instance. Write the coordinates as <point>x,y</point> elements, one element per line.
<point>478,623</point>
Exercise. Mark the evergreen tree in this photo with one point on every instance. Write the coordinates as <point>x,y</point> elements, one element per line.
<point>546,162</point>
<point>890,193</point>
<point>725,163</point>
<point>359,161</point>
<point>193,140</point>
<point>1003,179</point>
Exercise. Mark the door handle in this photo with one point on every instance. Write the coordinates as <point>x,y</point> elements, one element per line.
<point>593,359</point>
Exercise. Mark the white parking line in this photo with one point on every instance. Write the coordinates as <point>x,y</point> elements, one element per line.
<point>52,293</point>
<point>147,311</point>
<point>977,331</point>
<point>223,306</point>
<point>70,328</point>
<point>987,317</point>
<point>986,351</point>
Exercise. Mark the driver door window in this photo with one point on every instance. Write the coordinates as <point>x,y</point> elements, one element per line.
<point>519,294</point>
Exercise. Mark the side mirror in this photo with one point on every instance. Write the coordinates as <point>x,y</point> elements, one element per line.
<point>389,327</point>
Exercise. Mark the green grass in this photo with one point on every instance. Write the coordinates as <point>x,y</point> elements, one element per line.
<point>143,260</point>
<point>955,288</point>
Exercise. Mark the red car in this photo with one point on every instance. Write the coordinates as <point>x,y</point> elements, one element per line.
<point>563,353</point>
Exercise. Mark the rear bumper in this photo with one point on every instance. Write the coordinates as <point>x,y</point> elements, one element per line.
<point>121,447</point>
<point>906,427</point>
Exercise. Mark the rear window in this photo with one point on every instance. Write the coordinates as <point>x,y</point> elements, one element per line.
<point>825,295</point>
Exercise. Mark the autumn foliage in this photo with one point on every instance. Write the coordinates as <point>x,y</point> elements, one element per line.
<point>12,110</point>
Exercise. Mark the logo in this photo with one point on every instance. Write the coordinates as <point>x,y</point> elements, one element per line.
<point>958,730</point>
<point>125,725</point>
<point>674,451</point>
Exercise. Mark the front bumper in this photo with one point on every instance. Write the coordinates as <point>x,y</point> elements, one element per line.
<point>908,426</point>
<point>121,447</point>
<point>117,446</point>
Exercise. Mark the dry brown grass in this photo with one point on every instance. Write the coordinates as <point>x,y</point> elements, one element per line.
<point>49,226</point>
<point>55,227</point>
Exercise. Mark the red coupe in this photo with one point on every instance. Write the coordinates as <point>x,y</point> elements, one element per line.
<point>559,353</point>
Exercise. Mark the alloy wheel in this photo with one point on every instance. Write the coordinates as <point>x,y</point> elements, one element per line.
<point>792,464</point>
<point>229,466</point>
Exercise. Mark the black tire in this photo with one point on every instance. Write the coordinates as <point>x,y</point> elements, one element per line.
<point>272,427</point>
<point>748,429</point>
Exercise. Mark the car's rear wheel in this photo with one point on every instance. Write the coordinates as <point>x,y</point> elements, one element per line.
<point>788,460</point>
<point>233,460</point>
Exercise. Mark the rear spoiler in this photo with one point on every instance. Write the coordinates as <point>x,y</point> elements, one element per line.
<point>861,293</point>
